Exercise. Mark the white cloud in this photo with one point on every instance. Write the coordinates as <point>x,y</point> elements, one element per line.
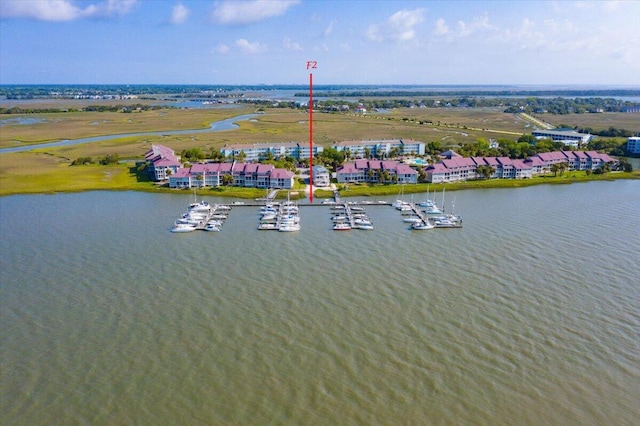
<point>441,27</point>
<point>180,14</point>
<point>329,29</point>
<point>246,12</point>
<point>221,48</point>
<point>290,45</point>
<point>248,47</point>
<point>478,24</point>
<point>62,10</point>
<point>398,27</point>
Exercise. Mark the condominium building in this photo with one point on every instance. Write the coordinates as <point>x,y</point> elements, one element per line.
<point>459,168</point>
<point>633,145</point>
<point>380,148</point>
<point>258,151</point>
<point>162,162</point>
<point>373,171</point>
<point>568,137</point>
<point>249,175</point>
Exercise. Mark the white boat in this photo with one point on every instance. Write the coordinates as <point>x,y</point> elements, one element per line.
<point>189,220</point>
<point>365,226</point>
<point>444,223</point>
<point>341,227</point>
<point>289,209</point>
<point>411,219</point>
<point>269,217</point>
<point>289,227</point>
<point>362,222</point>
<point>211,228</point>
<point>183,227</point>
<point>221,207</point>
<point>263,226</point>
<point>422,225</point>
<point>289,223</point>
<point>268,208</point>
<point>432,210</point>
<point>399,203</point>
<point>201,206</point>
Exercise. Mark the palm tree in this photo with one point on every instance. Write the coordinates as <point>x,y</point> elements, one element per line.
<point>562,167</point>
<point>370,174</point>
<point>486,171</point>
<point>554,168</point>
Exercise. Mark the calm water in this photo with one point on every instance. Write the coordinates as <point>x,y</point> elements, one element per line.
<point>528,315</point>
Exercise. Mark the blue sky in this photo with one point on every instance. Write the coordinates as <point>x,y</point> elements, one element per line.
<point>354,42</point>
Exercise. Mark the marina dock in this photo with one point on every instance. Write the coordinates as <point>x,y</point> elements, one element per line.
<point>284,216</point>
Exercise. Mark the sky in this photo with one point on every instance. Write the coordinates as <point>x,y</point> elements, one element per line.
<point>352,41</point>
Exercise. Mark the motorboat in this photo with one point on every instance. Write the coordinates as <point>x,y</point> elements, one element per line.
<point>211,228</point>
<point>201,206</point>
<point>447,222</point>
<point>412,219</point>
<point>289,227</point>
<point>263,226</point>
<point>269,217</point>
<point>183,227</point>
<point>341,227</point>
<point>289,223</point>
<point>365,226</point>
<point>433,209</point>
<point>422,225</point>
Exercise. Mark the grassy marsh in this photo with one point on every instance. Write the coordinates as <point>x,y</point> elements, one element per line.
<point>48,169</point>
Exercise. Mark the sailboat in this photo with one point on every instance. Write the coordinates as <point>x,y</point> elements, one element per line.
<point>201,206</point>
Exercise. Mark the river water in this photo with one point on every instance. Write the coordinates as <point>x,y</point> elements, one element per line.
<point>528,315</point>
<point>216,126</point>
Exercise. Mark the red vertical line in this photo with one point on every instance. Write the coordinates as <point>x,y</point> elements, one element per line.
<point>311,137</point>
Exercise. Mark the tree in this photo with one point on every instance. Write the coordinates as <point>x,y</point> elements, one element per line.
<point>87,160</point>
<point>193,154</point>
<point>434,148</point>
<point>554,168</point>
<point>216,155</point>
<point>110,159</point>
<point>625,165</point>
<point>370,174</point>
<point>228,179</point>
<point>530,139</point>
<point>422,175</point>
<point>486,171</point>
<point>562,167</point>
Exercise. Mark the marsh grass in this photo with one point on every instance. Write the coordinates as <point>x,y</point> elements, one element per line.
<point>49,170</point>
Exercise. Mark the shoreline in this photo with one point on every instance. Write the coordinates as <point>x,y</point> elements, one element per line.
<point>348,191</point>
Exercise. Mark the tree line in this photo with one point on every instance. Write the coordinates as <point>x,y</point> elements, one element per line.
<point>90,108</point>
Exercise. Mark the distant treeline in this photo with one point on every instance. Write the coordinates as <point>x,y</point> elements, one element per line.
<point>538,105</point>
<point>86,91</point>
<point>90,108</point>
<point>474,93</point>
